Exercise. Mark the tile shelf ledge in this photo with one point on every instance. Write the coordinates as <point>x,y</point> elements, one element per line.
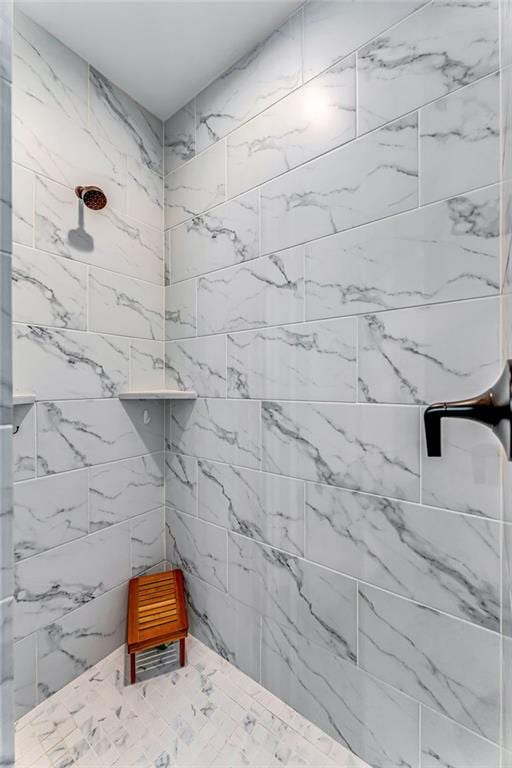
<point>158,394</point>
<point>27,399</point>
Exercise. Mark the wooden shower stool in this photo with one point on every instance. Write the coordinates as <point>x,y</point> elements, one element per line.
<point>157,614</point>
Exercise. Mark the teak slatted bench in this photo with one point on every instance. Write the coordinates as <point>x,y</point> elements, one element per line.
<point>157,614</point>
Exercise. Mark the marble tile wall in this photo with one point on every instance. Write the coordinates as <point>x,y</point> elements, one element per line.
<point>6,517</point>
<point>88,323</point>
<point>336,260</point>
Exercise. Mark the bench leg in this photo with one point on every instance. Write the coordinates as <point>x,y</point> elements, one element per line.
<point>182,652</point>
<point>132,668</point>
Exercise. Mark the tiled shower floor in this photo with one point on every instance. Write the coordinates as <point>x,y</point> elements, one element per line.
<point>206,714</point>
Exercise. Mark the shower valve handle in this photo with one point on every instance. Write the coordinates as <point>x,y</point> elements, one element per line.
<point>492,408</point>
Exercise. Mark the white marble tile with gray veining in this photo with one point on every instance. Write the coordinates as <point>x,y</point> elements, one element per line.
<point>145,194</point>
<point>6,514</point>
<point>6,684</point>
<point>361,447</point>
<point>123,489</point>
<point>180,310</point>
<point>444,252</point>
<point>5,170</point>
<point>181,482</point>
<point>198,365</point>
<point>198,547</point>
<point>429,354</point>
<point>48,290</point>
<point>50,511</point>
<point>226,235</point>
<point>79,433</point>
<point>6,24</point>
<point>118,118</point>
<point>445,663</point>
<point>467,477</point>
<point>308,122</point>
<point>24,442</point>
<point>62,364</point>
<point>22,205</point>
<point>317,603</point>
<point>51,584</point>
<point>306,361</point>
<point>123,305</point>
<point>447,44</point>
<point>196,186</point>
<point>460,141</point>
<point>25,657</point>
<point>180,137</point>
<point>146,364</point>
<point>263,507</point>
<point>221,430</point>
<point>265,291</point>
<point>368,179</point>
<point>63,226</point>
<point>373,720</point>
<point>71,644</point>
<point>147,540</point>
<point>333,30</point>
<point>5,338</point>
<point>263,76</point>
<point>48,71</point>
<point>442,559</point>
<point>444,744</point>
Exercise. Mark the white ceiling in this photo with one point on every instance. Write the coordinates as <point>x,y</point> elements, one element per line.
<point>161,52</point>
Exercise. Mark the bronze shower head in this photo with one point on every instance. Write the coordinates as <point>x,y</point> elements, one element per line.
<point>93,197</point>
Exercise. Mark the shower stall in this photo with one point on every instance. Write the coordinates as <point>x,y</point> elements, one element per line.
<point>220,330</point>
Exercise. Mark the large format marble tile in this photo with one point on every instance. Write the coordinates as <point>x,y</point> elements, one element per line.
<point>73,643</point>
<point>79,433</point>
<point>196,186</point>
<point>101,238</point>
<point>443,662</point>
<point>315,602</point>
<point>48,71</point>
<point>308,122</point>
<point>467,476</point>
<point>226,235</point>
<point>45,141</point>
<point>123,305</point>
<point>374,721</point>
<point>365,180</point>
<point>22,205</point>
<point>429,354</point>
<point>25,675</point>
<point>146,364</point>
<point>447,44</point>
<point>363,447</point>
<point>460,141</point>
<point>6,168</point>
<point>50,511</point>
<point>181,482</point>
<point>180,310</point>
<point>309,361</point>
<point>147,540</point>
<point>6,685</point>
<point>144,193</point>
<point>115,116</point>
<point>5,338</point>
<point>221,430</point>
<point>229,628</point>
<point>333,30</point>
<point>260,506</point>
<point>53,583</point>
<point>24,442</point>
<point>6,22</point>
<point>443,252</point>
<point>62,364</point>
<point>48,290</point>
<point>6,514</point>
<point>444,744</point>
<point>445,560</point>
<point>180,137</point>
<point>265,291</point>
<point>198,365</point>
<point>262,77</point>
<point>198,547</point>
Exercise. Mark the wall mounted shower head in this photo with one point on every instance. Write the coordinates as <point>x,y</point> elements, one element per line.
<point>93,197</point>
